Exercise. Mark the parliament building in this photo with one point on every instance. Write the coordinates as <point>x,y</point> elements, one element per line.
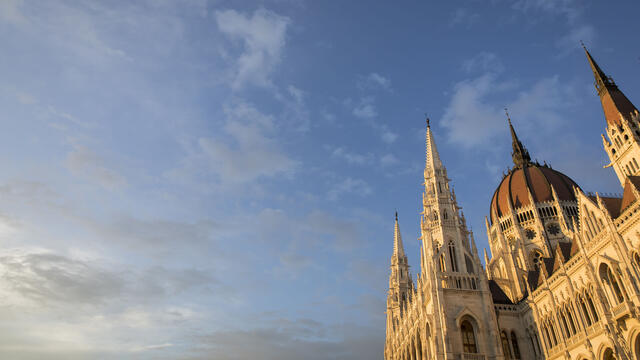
<point>563,277</point>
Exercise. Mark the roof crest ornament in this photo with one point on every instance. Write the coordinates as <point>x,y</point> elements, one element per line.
<point>520,155</point>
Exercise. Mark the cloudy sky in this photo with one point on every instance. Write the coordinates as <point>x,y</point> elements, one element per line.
<point>217,179</point>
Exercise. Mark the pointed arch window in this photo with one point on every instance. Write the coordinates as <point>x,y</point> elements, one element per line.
<point>616,287</point>
<point>594,312</point>
<point>608,277</point>
<point>547,337</point>
<point>553,334</point>
<point>583,307</point>
<point>469,264</point>
<point>505,345</point>
<point>567,331</point>
<point>468,337</point>
<point>514,345</point>
<point>571,322</point>
<point>442,263</point>
<point>636,260</point>
<point>452,256</point>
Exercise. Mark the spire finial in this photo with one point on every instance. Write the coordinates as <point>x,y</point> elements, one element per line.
<point>396,215</point>
<point>520,155</point>
<point>582,43</point>
<point>428,121</point>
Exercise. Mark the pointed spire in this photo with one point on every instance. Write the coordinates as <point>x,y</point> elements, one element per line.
<point>615,104</point>
<point>601,79</point>
<point>520,155</point>
<point>433,158</point>
<point>398,249</point>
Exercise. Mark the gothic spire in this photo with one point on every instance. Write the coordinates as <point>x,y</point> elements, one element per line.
<point>520,155</point>
<point>433,158</point>
<point>615,104</point>
<point>398,249</point>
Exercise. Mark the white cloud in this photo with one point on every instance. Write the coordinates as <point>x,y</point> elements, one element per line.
<point>296,114</point>
<point>297,339</point>
<point>388,159</point>
<point>571,9</point>
<point>365,109</point>
<point>350,157</point>
<point>263,36</point>
<point>374,81</point>
<point>463,16</point>
<point>252,153</point>
<point>475,113</point>
<point>484,62</point>
<point>11,13</point>
<point>387,135</point>
<point>81,161</point>
<point>571,41</point>
<point>349,186</point>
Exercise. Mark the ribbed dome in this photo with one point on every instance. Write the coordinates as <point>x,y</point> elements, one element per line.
<point>538,179</point>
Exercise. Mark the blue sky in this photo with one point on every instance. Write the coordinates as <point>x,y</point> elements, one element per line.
<point>217,179</point>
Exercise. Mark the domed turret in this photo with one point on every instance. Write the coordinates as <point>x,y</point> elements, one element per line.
<point>532,178</point>
<point>528,177</point>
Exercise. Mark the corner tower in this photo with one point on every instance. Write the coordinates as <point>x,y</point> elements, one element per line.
<point>623,132</point>
<point>400,282</point>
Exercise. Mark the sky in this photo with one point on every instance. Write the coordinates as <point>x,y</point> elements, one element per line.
<point>218,179</point>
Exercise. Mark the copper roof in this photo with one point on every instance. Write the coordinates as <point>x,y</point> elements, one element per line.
<point>615,205</point>
<point>537,179</point>
<point>614,102</point>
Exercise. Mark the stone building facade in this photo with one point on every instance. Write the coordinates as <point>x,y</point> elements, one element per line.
<point>563,279</point>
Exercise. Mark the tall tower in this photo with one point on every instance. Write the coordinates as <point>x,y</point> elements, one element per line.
<point>623,146</point>
<point>400,282</point>
<point>451,267</point>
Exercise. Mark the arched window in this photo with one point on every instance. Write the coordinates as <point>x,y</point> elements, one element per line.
<point>585,312</point>
<point>594,312</point>
<point>553,334</point>
<point>570,319</point>
<point>469,264</point>
<point>533,346</point>
<point>442,263</point>
<point>564,322</point>
<point>608,277</point>
<point>636,261</point>
<point>452,256</point>
<point>514,345</point>
<point>547,336</point>
<point>468,337</point>
<point>616,287</point>
<point>445,215</point>
<point>505,345</point>
<point>536,342</point>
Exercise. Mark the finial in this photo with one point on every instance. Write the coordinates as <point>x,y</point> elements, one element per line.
<point>428,121</point>
<point>506,111</point>
<point>581,43</point>
<point>396,215</point>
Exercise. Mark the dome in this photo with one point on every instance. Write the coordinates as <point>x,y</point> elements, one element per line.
<point>530,177</point>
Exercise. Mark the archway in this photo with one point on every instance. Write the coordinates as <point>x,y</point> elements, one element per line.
<point>608,355</point>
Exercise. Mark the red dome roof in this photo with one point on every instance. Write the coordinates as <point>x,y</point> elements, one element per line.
<point>538,179</point>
